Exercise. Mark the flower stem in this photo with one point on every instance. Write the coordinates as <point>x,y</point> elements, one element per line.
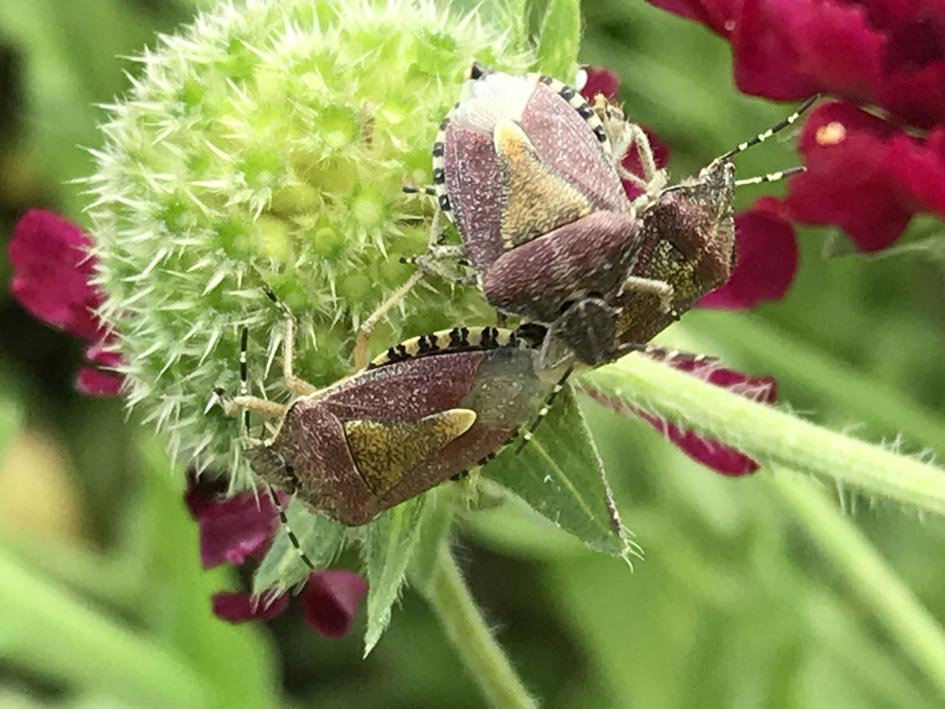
<point>867,574</point>
<point>453,604</point>
<point>769,435</point>
<point>810,367</point>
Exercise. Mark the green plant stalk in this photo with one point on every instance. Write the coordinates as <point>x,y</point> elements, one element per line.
<point>769,435</point>
<point>808,366</point>
<point>467,630</point>
<point>867,574</point>
<point>50,630</point>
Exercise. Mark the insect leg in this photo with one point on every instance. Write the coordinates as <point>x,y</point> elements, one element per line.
<point>543,411</point>
<point>438,252</point>
<point>295,384</point>
<point>663,290</point>
<point>368,325</point>
<point>251,403</point>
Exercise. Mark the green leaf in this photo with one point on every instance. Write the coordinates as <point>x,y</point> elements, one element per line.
<point>515,529</point>
<point>560,474</point>
<point>319,537</point>
<point>388,546</point>
<point>560,38</point>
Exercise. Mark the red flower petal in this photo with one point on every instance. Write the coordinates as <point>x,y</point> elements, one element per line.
<point>765,259</point>
<point>893,15</point>
<point>723,459</point>
<point>919,168</point>
<point>718,15</point>
<point>330,601</point>
<point>789,49</point>
<point>912,85</point>
<point>848,181</point>
<point>94,382</point>
<point>51,271</point>
<point>600,81</point>
<point>232,530</point>
<point>761,389</point>
<point>916,95</point>
<point>240,607</point>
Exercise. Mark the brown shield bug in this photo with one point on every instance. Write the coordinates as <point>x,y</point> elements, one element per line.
<point>423,412</point>
<point>687,240</point>
<point>523,167</point>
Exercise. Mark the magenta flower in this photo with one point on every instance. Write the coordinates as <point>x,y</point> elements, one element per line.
<point>865,174</point>
<point>51,272</point>
<point>241,528</point>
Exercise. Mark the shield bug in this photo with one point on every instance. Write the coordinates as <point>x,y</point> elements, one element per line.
<point>421,413</point>
<point>522,166</point>
<point>688,242</point>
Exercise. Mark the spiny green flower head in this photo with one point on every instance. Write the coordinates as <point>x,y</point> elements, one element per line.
<point>268,142</point>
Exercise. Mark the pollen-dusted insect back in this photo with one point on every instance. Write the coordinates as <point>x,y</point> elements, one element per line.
<point>523,167</point>
<point>427,410</point>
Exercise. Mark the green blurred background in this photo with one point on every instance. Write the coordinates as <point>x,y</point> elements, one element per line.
<point>103,603</point>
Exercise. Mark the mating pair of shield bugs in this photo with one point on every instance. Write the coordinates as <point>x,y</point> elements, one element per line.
<point>530,175</point>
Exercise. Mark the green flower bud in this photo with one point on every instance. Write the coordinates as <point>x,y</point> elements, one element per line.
<point>267,143</point>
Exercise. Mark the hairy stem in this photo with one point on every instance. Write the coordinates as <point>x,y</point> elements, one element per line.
<point>769,435</point>
<point>859,396</point>
<point>469,633</point>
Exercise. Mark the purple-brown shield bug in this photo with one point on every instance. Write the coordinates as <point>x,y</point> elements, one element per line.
<point>423,412</point>
<point>687,241</point>
<point>522,165</point>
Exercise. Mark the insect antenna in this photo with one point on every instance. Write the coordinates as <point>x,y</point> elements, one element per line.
<point>244,377</point>
<point>284,521</point>
<point>412,189</point>
<point>776,128</point>
<point>771,176</point>
<point>244,391</point>
<point>543,411</point>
